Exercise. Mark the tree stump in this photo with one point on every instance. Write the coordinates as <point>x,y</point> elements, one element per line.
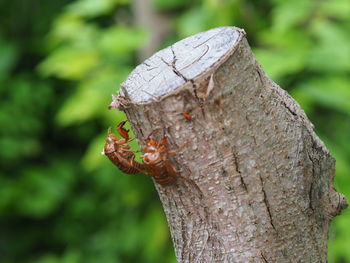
<point>259,182</point>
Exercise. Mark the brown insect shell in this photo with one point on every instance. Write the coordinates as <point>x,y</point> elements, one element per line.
<point>152,158</point>
<point>114,149</point>
<point>112,143</point>
<point>154,151</point>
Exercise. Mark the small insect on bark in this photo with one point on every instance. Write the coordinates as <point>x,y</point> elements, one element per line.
<point>157,165</point>
<point>187,115</point>
<point>118,151</point>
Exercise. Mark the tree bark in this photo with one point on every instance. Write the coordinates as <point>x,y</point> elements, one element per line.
<point>259,182</point>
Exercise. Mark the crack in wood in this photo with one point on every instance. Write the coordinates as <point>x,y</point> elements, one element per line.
<point>263,257</point>
<point>312,183</point>
<point>288,108</point>
<point>235,160</point>
<point>183,224</point>
<point>173,66</point>
<point>215,35</point>
<point>267,204</point>
<point>178,73</point>
<point>260,76</point>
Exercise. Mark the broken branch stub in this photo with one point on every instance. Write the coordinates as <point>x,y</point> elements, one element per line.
<point>259,182</point>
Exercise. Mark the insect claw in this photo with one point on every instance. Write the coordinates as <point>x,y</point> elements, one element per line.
<point>121,124</point>
<point>122,131</point>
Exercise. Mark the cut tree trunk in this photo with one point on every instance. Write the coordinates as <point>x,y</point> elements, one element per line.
<point>256,183</point>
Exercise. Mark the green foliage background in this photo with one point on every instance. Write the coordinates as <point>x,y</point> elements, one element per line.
<point>60,60</point>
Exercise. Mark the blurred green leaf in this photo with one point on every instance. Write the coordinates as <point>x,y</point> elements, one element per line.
<point>164,5</point>
<point>194,20</point>
<point>278,63</point>
<point>70,63</point>
<point>7,194</point>
<point>49,258</point>
<point>294,40</point>
<point>69,257</point>
<point>9,55</point>
<point>341,227</point>
<point>332,52</point>
<point>339,9</point>
<point>91,8</point>
<point>119,40</point>
<point>288,14</point>
<point>82,106</point>
<point>68,27</point>
<point>155,229</point>
<point>94,155</point>
<point>91,98</point>
<point>40,190</point>
<point>332,92</point>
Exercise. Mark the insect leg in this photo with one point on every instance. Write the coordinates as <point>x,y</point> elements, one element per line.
<point>178,149</point>
<point>122,131</point>
<point>126,150</point>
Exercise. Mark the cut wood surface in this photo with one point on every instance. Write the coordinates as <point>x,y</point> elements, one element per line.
<point>259,182</point>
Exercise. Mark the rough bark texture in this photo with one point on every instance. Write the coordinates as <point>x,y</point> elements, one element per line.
<point>260,185</point>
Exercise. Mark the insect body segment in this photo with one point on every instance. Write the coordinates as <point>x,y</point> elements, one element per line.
<point>155,158</point>
<point>118,151</point>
